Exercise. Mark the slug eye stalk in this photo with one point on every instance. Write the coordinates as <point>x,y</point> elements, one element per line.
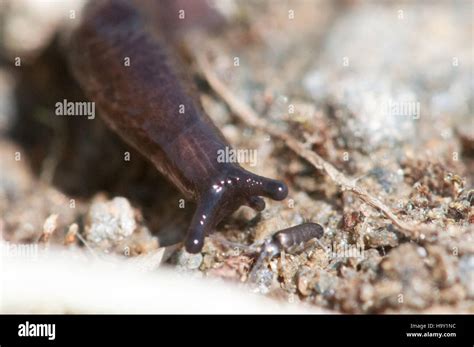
<point>224,197</point>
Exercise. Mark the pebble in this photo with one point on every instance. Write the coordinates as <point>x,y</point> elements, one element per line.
<point>110,222</point>
<point>189,261</point>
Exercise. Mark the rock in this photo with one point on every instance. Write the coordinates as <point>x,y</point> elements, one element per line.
<point>110,222</point>
<point>381,238</point>
<point>326,283</point>
<point>188,261</point>
<point>371,261</point>
<point>263,280</point>
<point>49,227</point>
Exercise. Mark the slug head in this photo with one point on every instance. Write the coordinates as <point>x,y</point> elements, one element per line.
<point>226,194</point>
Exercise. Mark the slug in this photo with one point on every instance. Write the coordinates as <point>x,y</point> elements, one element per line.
<point>141,101</point>
<point>288,238</point>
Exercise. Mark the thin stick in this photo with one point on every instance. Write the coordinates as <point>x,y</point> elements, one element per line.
<point>83,240</point>
<point>246,114</point>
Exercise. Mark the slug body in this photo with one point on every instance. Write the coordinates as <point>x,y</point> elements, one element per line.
<point>142,100</point>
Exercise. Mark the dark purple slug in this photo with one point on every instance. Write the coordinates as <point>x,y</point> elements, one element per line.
<point>142,100</point>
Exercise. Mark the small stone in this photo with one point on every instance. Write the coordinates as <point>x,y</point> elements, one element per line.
<point>110,222</point>
<point>422,252</point>
<point>381,238</point>
<point>71,235</point>
<point>263,281</point>
<point>326,283</point>
<point>189,261</point>
<point>49,226</point>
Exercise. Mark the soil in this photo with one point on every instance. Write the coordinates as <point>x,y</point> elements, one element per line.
<point>381,91</point>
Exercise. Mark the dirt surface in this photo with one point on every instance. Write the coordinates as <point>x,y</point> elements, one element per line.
<point>381,91</point>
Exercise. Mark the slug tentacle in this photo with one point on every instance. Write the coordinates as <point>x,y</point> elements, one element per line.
<point>226,195</point>
<point>203,222</point>
<point>256,202</point>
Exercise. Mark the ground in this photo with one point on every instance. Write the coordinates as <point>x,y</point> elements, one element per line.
<point>383,92</point>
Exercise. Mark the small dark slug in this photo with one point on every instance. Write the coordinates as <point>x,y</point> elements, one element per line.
<point>288,238</point>
<point>141,102</point>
